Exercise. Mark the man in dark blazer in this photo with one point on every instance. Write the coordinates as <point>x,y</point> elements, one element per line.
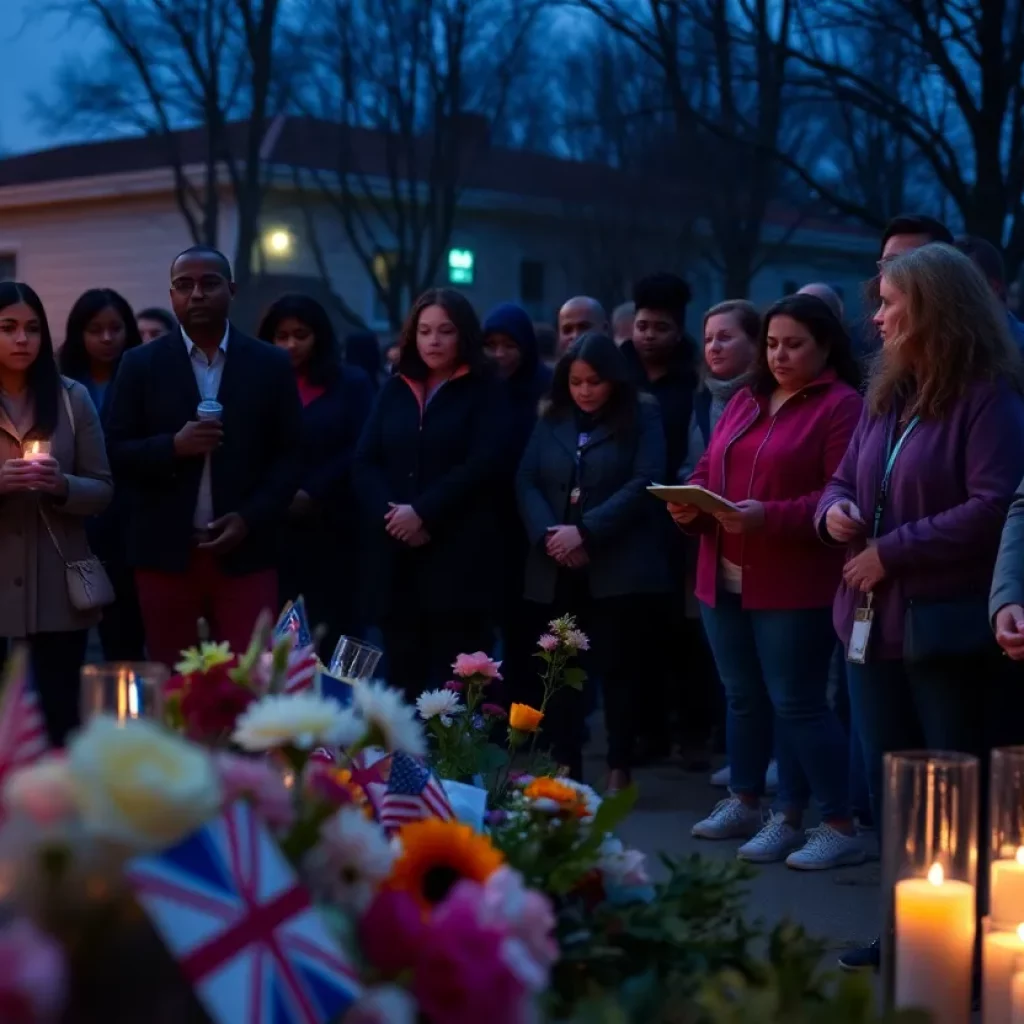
<point>206,495</point>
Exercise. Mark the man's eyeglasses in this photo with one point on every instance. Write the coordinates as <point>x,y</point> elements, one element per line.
<point>207,283</point>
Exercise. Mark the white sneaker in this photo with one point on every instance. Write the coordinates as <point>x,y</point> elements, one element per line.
<point>771,778</point>
<point>722,777</point>
<point>777,839</point>
<point>826,848</point>
<point>731,819</point>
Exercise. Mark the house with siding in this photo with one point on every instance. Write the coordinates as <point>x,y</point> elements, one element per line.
<point>529,227</point>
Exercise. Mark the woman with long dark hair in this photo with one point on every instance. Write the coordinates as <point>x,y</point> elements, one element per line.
<point>318,554</point>
<point>765,583</point>
<point>427,471</point>
<point>101,327</point>
<point>44,503</point>
<point>595,548</point>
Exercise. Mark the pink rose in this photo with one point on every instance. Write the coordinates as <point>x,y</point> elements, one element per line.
<point>32,975</point>
<point>392,932</point>
<point>43,791</point>
<point>548,642</point>
<point>527,918</point>
<point>462,974</point>
<point>259,782</point>
<point>479,664</point>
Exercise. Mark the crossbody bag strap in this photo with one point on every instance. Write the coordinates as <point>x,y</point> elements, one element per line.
<point>49,529</point>
<point>64,388</point>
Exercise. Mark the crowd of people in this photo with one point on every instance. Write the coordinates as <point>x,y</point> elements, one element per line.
<point>847,597</point>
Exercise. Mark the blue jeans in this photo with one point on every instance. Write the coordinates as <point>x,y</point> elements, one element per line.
<point>860,800</point>
<point>775,663</point>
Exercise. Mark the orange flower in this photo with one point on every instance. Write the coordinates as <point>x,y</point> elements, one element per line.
<point>523,718</point>
<point>438,854</point>
<point>553,795</point>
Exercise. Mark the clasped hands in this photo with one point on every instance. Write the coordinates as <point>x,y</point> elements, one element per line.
<point>565,545</point>
<point>41,475</point>
<point>404,524</point>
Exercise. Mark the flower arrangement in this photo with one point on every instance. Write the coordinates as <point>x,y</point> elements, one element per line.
<point>120,852</point>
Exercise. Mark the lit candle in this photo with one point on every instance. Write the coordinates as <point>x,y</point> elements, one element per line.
<point>1006,901</point>
<point>33,451</point>
<point>935,946</point>
<point>1017,998</point>
<point>1000,959</point>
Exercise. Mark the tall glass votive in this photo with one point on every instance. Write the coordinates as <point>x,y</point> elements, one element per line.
<point>354,661</point>
<point>1006,838</point>
<point>929,880</point>
<point>126,690</point>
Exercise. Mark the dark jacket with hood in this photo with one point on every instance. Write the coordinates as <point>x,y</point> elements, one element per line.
<point>524,389</point>
<point>674,393</point>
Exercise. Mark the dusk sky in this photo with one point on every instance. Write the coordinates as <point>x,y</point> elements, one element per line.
<point>32,49</point>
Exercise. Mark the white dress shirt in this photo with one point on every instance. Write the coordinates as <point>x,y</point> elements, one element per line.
<point>208,377</point>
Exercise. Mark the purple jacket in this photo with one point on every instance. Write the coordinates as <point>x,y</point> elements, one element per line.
<point>948,497</point>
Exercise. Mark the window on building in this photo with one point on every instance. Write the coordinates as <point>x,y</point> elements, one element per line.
<point>8,266</point>
<point>531,281</point>
<point>461,267</point>
<point>383,264</point>
<point>789,288</point>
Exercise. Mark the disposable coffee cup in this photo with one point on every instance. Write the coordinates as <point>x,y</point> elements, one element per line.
<point>210,410</point>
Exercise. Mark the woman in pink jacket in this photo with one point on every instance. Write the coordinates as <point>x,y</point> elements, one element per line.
<point>766,584</point>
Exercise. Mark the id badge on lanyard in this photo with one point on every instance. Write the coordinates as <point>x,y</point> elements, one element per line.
<point>864,617</point>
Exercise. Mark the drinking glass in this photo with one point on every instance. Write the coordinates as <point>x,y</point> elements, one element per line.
<point>354,661</point>
<point>126,690</point>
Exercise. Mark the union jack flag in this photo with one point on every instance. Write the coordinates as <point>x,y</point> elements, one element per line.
<point>413,793</point>
<point>243,929</point>
<point>22,730</point>
<point>294,620</point>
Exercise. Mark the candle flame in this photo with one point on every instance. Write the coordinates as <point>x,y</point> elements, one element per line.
<point>1020,854</point>
<point>936,875</point>
<point>32,447</point>
<point>1020,932</point>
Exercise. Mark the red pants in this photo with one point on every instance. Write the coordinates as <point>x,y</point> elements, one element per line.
<point>173,602</point>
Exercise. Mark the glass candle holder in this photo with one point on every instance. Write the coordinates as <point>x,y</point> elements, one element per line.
<point>32,451</point>
<point>1006,838</point>
<point>354,661</point>
<point>929,881</point>
<point>1002,961</point>
<point>126,690</point>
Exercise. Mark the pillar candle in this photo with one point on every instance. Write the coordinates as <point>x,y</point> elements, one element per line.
<point>935,927</point>
<point>1017,998</point>
<point>1000,958</point>
<point>1006,902</point>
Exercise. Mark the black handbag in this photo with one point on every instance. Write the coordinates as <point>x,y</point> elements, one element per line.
<point>936,629</point>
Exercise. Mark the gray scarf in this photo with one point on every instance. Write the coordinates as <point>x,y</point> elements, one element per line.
<point>722,391</point>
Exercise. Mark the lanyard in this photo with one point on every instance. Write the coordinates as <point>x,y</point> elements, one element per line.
<point>893,451</point>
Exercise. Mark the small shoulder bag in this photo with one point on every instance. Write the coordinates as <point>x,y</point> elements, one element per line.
<point>89,586</point>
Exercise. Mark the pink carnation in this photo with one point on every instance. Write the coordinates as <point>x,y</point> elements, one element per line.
<point>464,972</point>
<point>479,664</point>
<point>455,685</point>
<point>32,975</point>
<point>493,711</point>
<point>259,782</point>
<point>548,642</point>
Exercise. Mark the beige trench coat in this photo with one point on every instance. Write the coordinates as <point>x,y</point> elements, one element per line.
<point>33,591</point>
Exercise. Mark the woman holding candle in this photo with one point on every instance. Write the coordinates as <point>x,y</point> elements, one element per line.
<point>766,585</point>
<point>920,500</point>
<point>427,471</point>
<point>101,328</point>
<point>62,490</point>
<point>316,546</point>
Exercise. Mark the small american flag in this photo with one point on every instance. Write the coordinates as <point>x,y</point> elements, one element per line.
<point>22,730</point>
<point>301,672</point>
<point>413,793</point>
<point>295,621</point>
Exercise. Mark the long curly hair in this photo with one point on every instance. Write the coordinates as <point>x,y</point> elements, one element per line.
<point>954,334</point>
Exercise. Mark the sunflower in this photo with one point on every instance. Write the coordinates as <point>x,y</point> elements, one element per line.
<point>556,796</point>
<point>438,854</point>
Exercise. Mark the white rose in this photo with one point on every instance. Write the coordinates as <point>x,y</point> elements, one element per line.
<point>141,785</point>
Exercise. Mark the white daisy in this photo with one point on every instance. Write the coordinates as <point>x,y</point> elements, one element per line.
<point>349,730</point>
<point>439,704</point>
<point>392,723</point>
<point>590,797</point>
<point>303,720</point>
<point>351,860</point>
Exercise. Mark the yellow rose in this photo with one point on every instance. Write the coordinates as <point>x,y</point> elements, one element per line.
<point>141,785</point>
<point>523,718</point>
